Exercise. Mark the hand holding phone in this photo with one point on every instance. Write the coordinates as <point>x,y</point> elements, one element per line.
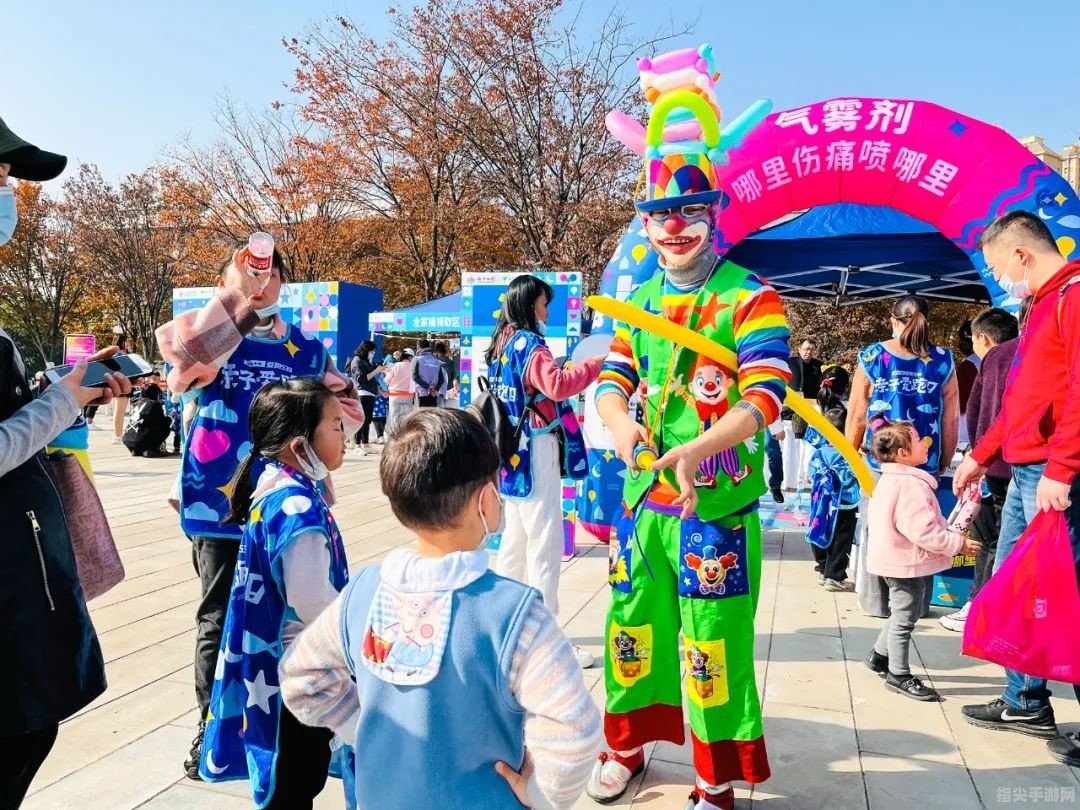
<point>113,386</point>
<point>97,370</point>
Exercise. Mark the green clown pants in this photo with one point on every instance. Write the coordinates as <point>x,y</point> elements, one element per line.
<point>702,578</point>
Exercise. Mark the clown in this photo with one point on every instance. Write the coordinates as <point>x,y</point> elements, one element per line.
<point>688,554</point>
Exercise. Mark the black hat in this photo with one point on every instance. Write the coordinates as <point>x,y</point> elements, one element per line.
<point>27,161</point>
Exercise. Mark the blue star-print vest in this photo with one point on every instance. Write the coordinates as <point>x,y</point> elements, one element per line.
<point>506,377</point>
<point>245,706</point>
<point>219,438</point>
<point>908,389</point>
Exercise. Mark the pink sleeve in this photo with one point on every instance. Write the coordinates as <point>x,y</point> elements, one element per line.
<point>920,520</point>
<point>197,344</point>
<point>543,375</point>
<point>345,388</point>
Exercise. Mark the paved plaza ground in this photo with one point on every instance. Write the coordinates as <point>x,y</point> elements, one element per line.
<point>836,738</point>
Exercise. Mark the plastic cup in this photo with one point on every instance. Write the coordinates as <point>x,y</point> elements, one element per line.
<point>260,249</point>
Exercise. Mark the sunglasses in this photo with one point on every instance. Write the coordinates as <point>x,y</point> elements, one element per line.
<point>692,211</point>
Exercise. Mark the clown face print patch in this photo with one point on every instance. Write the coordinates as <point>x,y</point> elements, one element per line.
<point>712,561</point>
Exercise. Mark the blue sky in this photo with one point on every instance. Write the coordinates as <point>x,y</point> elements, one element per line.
<point>116,82</point>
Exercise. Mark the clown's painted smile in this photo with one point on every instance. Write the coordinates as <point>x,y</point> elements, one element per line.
<point>680,245</point>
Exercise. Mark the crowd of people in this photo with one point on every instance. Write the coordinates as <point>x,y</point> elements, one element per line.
<point>430,677</point>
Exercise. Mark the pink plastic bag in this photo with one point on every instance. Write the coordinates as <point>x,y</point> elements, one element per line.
<point>1025,617</point>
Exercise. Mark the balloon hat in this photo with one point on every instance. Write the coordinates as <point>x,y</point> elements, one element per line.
<point>683,144</point>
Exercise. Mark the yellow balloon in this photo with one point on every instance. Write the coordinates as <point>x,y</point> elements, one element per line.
<point>798,403</point>
<point>1066,245</point>
<point>661,327</point>
<point>639,252</point>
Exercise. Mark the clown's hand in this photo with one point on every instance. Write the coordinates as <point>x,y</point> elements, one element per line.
<point>684,460</point>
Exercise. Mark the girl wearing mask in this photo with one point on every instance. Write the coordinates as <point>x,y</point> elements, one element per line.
<point>292,566</point>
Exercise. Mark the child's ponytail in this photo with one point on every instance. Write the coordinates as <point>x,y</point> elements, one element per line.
<point>280,412</point>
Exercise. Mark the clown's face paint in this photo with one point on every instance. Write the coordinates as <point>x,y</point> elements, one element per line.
<point>679,235</point>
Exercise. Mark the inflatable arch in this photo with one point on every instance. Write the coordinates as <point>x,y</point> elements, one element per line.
<point>934,164</point>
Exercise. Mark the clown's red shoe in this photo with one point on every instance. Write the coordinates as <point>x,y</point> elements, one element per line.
<point>612,774</point>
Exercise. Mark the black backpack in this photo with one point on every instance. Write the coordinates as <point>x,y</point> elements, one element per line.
<point>493,415</point>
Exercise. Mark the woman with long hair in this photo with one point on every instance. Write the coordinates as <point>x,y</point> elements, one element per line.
<point>522,373</point>
<point>364,373</point>
<point>904,378</point>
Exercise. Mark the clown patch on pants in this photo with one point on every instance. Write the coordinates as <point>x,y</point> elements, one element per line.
<point>708,574</point>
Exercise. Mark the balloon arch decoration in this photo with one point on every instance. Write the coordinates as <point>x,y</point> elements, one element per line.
<point>936,165</point>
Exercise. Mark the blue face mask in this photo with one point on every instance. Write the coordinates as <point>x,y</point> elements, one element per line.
<point>270,311</point>
<point>489,533</point>
<point>9,217</point>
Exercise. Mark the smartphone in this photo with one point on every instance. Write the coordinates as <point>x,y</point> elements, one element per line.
<point>131,366</point>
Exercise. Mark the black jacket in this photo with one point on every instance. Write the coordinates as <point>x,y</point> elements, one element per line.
<point>805,376</point>
<point>52,664</point>
<point>359,369</point>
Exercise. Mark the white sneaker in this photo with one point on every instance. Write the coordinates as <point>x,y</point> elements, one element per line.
<point>956,621</point>
<point>92,426</point>
<point>116,440</point>
<point>584,658</point>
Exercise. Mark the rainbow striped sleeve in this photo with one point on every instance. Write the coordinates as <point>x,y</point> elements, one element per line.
<point>619,374</point>
<point>761,343</point>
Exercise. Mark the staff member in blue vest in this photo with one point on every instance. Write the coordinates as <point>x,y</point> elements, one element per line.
<point>221,356</point>
<point>906,378</point>
<point>520,366</point>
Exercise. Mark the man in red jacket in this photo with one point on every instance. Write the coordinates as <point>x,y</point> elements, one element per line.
<point>1037,433</point>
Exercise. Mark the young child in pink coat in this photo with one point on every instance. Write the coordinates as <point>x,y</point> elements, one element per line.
<point>909,541</point>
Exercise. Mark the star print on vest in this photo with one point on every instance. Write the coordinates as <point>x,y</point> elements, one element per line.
<point>219,438</point>
<point>506,377</point>
<point>241,735</point>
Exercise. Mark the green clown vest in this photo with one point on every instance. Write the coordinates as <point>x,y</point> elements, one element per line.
<point>691,393</point>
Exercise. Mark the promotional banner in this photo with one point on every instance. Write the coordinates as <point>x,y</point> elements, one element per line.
<point>78,347</point>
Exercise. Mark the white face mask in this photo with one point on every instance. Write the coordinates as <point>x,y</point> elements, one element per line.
<point>371,356</point>
<point>270,311</point>
<point>896,332</point>
<point>1014,289</point>
<point>312,466</point>
<point>541,327</point>
<point>9,216</point>
<point>489,533</point>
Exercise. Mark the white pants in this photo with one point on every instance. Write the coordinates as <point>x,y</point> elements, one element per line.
<point>532,543</point>
<point>397,409</point>
<point>796,459</point>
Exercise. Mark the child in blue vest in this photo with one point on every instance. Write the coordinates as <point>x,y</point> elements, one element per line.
<point>291,565</point>
<point>457,685</point>
<point>834,504</point>
<point>219,358</point>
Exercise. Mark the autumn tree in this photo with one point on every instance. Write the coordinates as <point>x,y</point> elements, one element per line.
<point>535,98</point>
<point>137,237</point>
<point>390,152</point>
<point>258,176</point>
<point>44,281</point>
<point>842,331</point>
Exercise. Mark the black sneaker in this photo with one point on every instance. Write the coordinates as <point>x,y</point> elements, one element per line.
<point>910,686</point>
<point>191,764</point>
<point>877,663</point>
<point>1066,749</point>
<point>1000,716</point>
<point>777,495</point>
